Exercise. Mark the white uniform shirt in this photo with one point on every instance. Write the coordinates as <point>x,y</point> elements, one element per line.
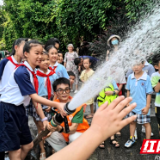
<point>6,69</point>
<point>19,87</point>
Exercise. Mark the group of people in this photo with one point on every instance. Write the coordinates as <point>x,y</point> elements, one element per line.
<point>35,80</point>
<point>32,82</point>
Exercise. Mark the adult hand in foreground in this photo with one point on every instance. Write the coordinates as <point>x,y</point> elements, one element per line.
<point>109,119</point>
<point>106,122</point>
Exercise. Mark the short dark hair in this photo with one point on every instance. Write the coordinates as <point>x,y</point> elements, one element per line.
<point>28,45</point>
<point>18,43</point>
<point>51,41</point>
<point>60,81</point>
<point>77,61</point>
<point>88,59</point>
<point>156,59</point>
<point>60,52</point>
<point>70,73</point>
<point>50,47</point>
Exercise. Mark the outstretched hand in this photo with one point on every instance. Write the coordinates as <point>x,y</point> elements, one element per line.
<point>109,119</point>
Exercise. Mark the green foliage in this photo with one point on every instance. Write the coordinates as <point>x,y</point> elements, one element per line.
<point>138,8</point>
<point>68,20</point>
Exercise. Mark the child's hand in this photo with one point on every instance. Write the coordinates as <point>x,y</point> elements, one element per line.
<point>45,124</point>
<point>48,135</point>
<point>48,109</point>
<point>145,110</point>
<point>108,93</point>
<point>52,128</point>
<point>61,109</point>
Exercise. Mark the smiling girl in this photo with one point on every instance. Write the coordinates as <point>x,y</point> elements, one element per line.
<point>15,135</point>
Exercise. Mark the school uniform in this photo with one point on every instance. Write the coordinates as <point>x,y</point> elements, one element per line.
<point>43,92</point>
<point>14,130</point>
<point>6,68</point>
<point>139,88</point>
<point>60,70</point>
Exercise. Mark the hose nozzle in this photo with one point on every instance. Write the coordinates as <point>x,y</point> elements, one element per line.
<point>69,111</point>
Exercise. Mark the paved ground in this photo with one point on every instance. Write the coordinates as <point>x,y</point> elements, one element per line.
<point>110,153</point>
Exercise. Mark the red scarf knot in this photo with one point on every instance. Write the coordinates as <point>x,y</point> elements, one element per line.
<point>49,87</point>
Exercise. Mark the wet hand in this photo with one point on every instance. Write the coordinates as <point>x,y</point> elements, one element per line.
<point>109,119</point>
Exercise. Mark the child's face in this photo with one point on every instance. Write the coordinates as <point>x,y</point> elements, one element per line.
<point>57,45</point>
<point>19,49</point>
<point>81,63</point>
<point>137,68</point>
<point>60,55</point>
<point>53,55</point>
<point>60,60</point>
<point>157,66</point>
<point>34,56</point>
<point>86,63</point>
<point>44,62</point>
<point>71,78</point>
<point>63,92</point>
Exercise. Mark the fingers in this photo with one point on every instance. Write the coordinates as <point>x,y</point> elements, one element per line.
<point>127,110</point>
<point>122,104</point>
<point>115,102</point>
<point>103,106</point>
<point>127,121</point>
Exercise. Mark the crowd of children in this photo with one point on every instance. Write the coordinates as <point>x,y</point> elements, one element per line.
<point>36,81</point>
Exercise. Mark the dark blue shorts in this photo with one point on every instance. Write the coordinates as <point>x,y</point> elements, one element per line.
<point>14,129</point>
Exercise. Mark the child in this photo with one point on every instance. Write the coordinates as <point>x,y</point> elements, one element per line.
<point>109,93</point>
<point>60,60</point>
<point>15,135</point>
<point>77,123</point>
<point>85,75</point>
<point>79,63</point>
<point>54,65</point>
<point>140,89</point>
<point>46,79</point>
<point>53,42</point>
<point>60,54</point>
<point>155,80</point>
<point>8,65</point>
<point>71,78</point>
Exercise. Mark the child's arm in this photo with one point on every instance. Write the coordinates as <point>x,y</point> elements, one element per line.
<point>155,83</point>
<point>81,76</point>
<point>120,87</point>
<point>41,114</point>
<point>157,87</point>
<point>146,108</point>
<point>128,94</point>
<point>108,93</point>
<point>41,100</point>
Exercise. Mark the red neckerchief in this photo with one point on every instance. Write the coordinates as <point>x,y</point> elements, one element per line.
<point>53,69</point>
<point>39,73</point>
<point>34,77</point>
<point>11,60</point>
